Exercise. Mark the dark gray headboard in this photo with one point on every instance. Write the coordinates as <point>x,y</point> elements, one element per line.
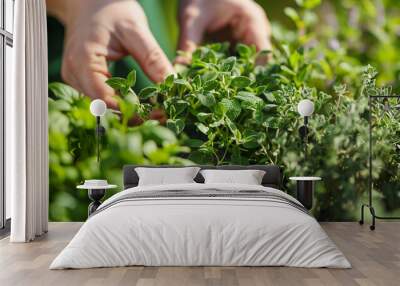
<point>272,177</point>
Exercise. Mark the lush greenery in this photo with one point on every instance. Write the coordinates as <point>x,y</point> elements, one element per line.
<point>223,109</point>
<point>72,149</point>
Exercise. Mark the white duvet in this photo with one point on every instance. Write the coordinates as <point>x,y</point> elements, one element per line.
<point>200,231</point>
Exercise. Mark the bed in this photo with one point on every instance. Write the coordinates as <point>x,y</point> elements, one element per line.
<point>197,224</point>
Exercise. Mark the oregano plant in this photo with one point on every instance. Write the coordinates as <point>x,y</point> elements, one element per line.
<point>229,110</point>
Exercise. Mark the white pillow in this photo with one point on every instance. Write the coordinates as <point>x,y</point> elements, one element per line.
<point>248,177</point>
<point>166,176</point>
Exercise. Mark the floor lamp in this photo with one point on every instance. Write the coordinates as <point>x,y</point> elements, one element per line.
<point>369,205</point>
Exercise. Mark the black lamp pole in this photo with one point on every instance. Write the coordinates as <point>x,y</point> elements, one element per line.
<point>100,131</point>
<point>371,100</point>
<point>304,136</point>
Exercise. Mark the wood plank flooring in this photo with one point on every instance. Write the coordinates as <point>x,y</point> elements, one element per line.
<point>375,257</point>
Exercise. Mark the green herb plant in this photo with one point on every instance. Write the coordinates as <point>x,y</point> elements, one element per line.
<point>228,110</point>
<point>224,109</point>
<point>72,146</point>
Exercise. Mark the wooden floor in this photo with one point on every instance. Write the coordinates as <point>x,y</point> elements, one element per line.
<point>375,257</point>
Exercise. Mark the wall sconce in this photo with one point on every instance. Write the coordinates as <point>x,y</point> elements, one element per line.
<point>98,108</point>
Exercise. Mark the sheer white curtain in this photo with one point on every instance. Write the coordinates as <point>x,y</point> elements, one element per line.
<point>26,124</point>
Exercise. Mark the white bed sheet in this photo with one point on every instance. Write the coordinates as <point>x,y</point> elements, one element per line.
<point>200,232</point>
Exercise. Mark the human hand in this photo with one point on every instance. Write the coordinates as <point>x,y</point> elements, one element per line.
<point>233,20</point>
<point>99,31</point>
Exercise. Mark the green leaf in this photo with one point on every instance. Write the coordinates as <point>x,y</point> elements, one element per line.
<point>149,147</point>
<point>217,123</point>
<point>148,92</point>
<point>252,138</point>
<point>180,106</point>
<point>201,116</point>
<point>194,143</point>
<point>211,85</point>
<point>245,51</point>
<point>292,14</point>
<point>116,82</point>
<point>209,76</point>
<point>249,98</point>
<point>128,105</point>
<point>259,114</point>
<point>286,50</point>
<point>199,64</point>
<point>308,4</point>
<point>228,64</point>
<point>63,91</point>
<point>60,104</point>
<point>59,123</point>
<point>270,107</point>
<point>176,125</point>
<point>162,134</point>
<point>288,70</point>
<point>207,99</point>
<point>197,81</point>
<point>169,81</point>
<point>119,84</point>
<point>183,83</point>
<point>294,60</point>
<point>270,97</point>
<point>240,82</point>
<point>204,129</point>
<point>231,108</point>
<point>131,78</point>
<point>210,56</point>
<point>234,129</point>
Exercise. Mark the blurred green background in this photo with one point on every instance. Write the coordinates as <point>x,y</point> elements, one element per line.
<point>339,37</point>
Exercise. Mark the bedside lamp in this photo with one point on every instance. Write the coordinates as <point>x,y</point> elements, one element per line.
<point>98,108</point>
<point>305,109</point>
<point>305,184</point>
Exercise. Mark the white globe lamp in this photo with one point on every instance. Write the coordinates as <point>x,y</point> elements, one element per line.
<point>305,107</point>
<point>98,107</point>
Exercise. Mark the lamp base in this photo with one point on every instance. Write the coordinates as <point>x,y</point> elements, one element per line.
<point>305,193</point>
<point>95,195</point>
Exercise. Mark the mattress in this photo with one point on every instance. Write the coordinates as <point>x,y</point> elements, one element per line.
<point>201,225</point>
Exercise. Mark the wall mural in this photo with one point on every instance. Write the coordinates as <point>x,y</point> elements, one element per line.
<point>224,108</point>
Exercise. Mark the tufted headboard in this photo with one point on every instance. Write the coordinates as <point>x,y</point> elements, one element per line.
<point>272,177</point>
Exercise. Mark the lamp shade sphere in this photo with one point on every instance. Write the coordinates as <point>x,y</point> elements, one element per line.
<point>305,107</point>
<point>98,107</point>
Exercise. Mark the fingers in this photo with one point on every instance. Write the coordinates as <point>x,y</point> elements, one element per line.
<point>253,27</point>
<point>191,34</point>
<point>138,40</point>
<point>155,114</point>
<point>87,72</point>
<point>95,86</point>
<point>246,21</point>
<point>159,115</point>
